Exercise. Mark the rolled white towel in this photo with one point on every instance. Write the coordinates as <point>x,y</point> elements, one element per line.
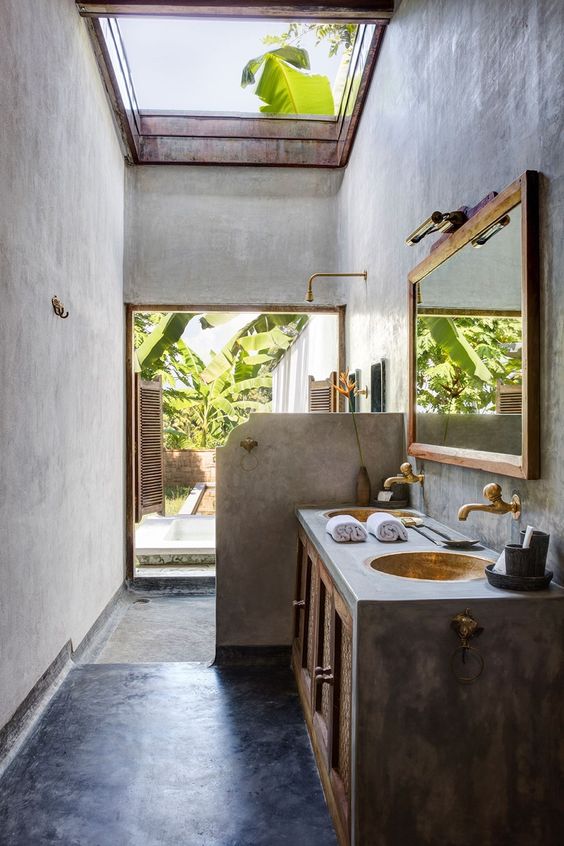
<point>499,566</point>
<point>346,529</point>
<point>386,527</point>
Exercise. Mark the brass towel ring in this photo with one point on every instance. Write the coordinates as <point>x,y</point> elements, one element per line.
<point>467,651</point>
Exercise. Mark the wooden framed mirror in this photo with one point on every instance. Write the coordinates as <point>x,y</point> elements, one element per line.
<point>474,340</point>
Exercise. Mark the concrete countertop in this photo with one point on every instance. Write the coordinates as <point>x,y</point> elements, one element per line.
<point>358,582</point>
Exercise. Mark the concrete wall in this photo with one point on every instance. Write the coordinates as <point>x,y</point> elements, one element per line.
<point>61,381</point>
<point>300,459</point>
<point>213,235</point>
<point>466,96</point>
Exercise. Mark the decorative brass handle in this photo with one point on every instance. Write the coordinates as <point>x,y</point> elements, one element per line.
<point>249,444</point>
<point>321,671</point>
<point>299,603</point>
<point>466,627</point>
<point>324,675</point>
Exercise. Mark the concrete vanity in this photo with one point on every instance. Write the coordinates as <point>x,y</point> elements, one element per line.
<point>431,760</point>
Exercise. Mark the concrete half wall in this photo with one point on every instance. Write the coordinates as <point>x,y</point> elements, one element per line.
<point>61,381</point>
<point>300,459</point>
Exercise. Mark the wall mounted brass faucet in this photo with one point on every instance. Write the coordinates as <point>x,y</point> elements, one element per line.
<point>309,292</point>
<point>496,506</point>
<point>407,476</point>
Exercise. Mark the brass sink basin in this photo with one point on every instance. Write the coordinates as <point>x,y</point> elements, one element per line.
<point>437,566</point>
<point>363,514</point>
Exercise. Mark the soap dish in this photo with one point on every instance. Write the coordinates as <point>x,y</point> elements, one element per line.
<point>390,504</point>
<point>507,582</point>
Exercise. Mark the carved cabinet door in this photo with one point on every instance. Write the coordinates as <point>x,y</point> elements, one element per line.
<point>340,750</point>
<point>332,694</point>
<point>323,677</point>
<point>304,610</point>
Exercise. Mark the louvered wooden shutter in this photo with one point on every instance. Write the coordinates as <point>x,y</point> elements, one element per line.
<point>322,395</point>
<point>509,399</point>
<point>149,448</point>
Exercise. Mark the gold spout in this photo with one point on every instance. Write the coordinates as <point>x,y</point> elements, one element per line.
<point>407,476</point>
<point>309,292</point>
<point>496,506</point>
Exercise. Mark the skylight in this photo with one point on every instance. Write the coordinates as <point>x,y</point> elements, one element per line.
<point>196,65</point>
<point>191,90</point>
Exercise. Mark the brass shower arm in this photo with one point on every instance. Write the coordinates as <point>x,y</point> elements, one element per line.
<point>309,292</point>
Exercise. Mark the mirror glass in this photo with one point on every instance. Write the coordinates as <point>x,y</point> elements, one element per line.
<point>469,345</point>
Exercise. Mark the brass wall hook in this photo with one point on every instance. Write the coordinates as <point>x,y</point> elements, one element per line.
<point>59,308</point>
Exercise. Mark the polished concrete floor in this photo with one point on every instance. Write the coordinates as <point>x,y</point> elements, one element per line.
<point>166,754</point>
<point>162,628</point>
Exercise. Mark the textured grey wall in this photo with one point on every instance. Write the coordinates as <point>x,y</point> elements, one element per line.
<point>466,96</point>
<point>301,459</point>
<point>229,235</point>
<point>61,381</point>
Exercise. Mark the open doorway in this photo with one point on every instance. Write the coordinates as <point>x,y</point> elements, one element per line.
<point>194,375</point>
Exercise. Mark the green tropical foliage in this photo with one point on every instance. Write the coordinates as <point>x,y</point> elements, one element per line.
<point>283,86</point>
<point>337,35</point>
<point>203,402</point>
<point>460,360</point>
<point>168,330</point>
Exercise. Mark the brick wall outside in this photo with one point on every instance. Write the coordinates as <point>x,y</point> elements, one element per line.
<point>188,466</point>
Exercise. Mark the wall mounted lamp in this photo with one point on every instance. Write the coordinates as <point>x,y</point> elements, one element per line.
<point>309,292</point>
<point>438,222</point>
<point>492,230</point>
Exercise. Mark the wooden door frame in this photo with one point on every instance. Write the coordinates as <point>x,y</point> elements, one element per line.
<point>130,310</point>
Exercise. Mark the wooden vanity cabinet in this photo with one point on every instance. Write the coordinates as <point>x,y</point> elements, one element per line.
<point>322,661</point>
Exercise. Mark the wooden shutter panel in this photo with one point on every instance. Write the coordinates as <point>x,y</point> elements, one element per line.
<point>322,395</point>
<point>509,399</point>
<point>149,448</point>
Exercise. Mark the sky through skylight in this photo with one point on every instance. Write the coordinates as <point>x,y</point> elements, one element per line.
<point>195,65</point>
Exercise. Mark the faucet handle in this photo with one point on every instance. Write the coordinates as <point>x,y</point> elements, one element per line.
<point>406,469</point>
<point>492,491</point>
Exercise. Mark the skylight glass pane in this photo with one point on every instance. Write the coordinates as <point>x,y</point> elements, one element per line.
<point>196,65</point>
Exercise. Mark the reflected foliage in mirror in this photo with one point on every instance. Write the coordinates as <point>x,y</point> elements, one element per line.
<point>474,340</point>
<point>469,368</point>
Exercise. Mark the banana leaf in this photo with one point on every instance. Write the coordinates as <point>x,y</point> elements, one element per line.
<point>259,358</point>
<point>447,335</point>
<point>286,90</point>
<point>295,56</point>
<point>167,332</point>
<point>250,384</point>
<point>265,341</point>
<point>217,318</point>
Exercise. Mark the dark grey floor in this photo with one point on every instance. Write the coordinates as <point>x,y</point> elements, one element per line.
<point>162,628</point>
<point>167,755</point>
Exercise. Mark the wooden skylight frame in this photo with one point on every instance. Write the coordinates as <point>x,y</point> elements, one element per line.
<point>157,137</point>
